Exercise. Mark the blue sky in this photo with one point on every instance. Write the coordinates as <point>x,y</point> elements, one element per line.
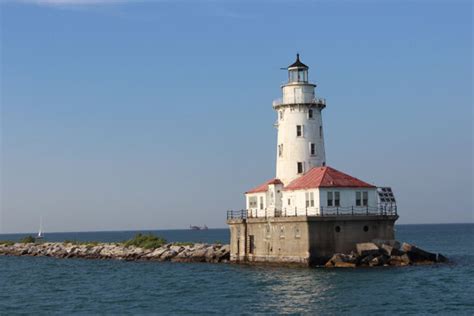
<point>157,114</point>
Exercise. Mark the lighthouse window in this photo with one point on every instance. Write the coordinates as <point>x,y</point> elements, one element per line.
<point>299,130</point>
<point>253,202</point>
<point>300,167</point>
<point>337,199</point>
<point>362,198</point>
<point>320,131</point>
<point>309,199</point>
<point>310,113</point>
<point>312,148</point>
<point>330,199</point>
<point>281,115</point>
<point>280,150</point>
<point>365,198</point>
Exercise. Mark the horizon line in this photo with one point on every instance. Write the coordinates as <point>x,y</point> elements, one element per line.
<point>213,228</point>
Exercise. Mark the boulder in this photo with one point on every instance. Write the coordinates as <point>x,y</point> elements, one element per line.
<point>390,242</point>
<point>336,258</point>
<point>418,255</point>
<point>367,248</point>
<point>341,257</point>
<point>395,261</point>
<point>397,252</point>
<point>341,264</point>
<point>377,261</point>
<point>223,254</point>
<point>329,264</point>
<point>405,259</point>
<point>387,249</point>
<point>155,254</point>
<point>210,254</point>
<point>364,261</point>
<point>168,254</point>
<point>406,247</point>
<point>198,255</point>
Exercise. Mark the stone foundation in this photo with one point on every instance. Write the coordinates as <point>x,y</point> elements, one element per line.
<point>304,240</point>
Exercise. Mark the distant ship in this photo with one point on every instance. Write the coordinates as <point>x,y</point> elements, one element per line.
<point>198,227</point>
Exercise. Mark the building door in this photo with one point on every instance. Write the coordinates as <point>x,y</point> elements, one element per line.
<point>251,244</point>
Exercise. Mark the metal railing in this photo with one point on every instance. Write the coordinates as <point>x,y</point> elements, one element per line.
<point>279,101</point>
<point>242,214</point>
<point>381,210</point>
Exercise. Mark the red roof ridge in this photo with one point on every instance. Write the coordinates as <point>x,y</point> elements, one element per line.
<point>326,177</point>
<point>264,187</point>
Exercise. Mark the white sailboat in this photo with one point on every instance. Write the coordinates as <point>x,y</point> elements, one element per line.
<point>40,231</point>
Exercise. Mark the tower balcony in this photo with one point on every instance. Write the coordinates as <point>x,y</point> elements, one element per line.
<point>317,102</point>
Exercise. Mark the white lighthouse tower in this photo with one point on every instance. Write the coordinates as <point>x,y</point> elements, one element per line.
<point>300,125</point>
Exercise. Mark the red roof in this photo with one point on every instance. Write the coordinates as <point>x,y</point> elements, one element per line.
<point>264,187</point>
<point>326,177</point>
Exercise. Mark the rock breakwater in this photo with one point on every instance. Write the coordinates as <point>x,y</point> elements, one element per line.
<point>168,252</point>
<point>371,254</point>
<point>384,253</point>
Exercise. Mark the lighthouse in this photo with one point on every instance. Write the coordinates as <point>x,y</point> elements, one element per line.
<point>300,144</point>
<point>308,211</point>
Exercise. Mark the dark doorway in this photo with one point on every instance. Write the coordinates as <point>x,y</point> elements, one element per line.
<point>252,244</point>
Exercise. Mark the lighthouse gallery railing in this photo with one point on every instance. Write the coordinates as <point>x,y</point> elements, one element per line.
<point>279,101</point>
<point>381,210</point>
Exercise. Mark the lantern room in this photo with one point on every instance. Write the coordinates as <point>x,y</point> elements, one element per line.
<point>297,72</point>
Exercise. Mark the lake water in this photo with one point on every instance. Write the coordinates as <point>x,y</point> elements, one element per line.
<point>64,286</point>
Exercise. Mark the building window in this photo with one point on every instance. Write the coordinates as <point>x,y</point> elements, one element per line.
<point>358,198</point>
<point>366,228</point>
<point>253,202</point>
<point>337,199</point>
<point>299,130</point>
<point>300,167</point>
<point>320,131</point>
<point>289,201</point>
<point>337,229</point>
<point>310,113</point>
<point>365,198</point>
<point>280,150</point>
<point>312,149</point>
<point>334,198</point>
<point>330,199</point>
<point>362,198</point>
<point>309,199</point>
<point>261,202</point>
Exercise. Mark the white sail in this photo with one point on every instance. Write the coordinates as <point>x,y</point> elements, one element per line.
<point>40,231</point>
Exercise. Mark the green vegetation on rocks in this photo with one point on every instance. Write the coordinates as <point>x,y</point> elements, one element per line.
<point>148,241</point>
<point>183,243</point>
<point>28,239</point>
<point>7,242</point>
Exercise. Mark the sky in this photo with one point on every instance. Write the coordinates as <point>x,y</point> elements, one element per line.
<point>129,115</point>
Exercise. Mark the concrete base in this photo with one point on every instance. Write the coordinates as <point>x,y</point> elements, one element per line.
<point>304,240</point>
